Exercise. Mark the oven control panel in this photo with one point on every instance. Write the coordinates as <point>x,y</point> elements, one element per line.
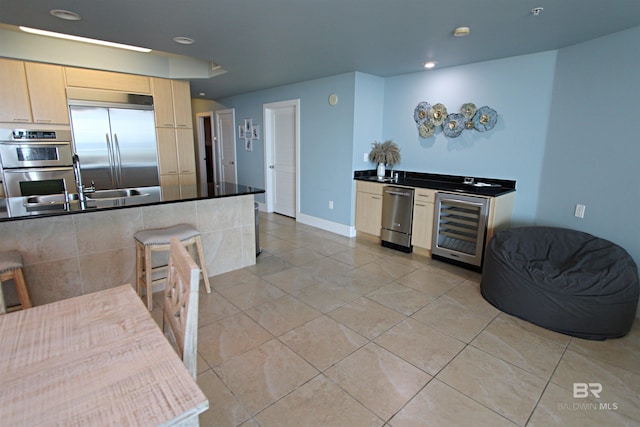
<point>22,134</point>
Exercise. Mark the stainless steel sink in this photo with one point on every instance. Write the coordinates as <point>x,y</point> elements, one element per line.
<point>49,200</point>
<point>114,194</point>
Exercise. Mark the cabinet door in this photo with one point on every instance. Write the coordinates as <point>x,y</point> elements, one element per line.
<point>186,151</point>
<point>162,102</point>
<point>98,79</point>
<point>170,186</point>
<point>188,185</point>
<point>182,103</point>
<point>167,154</point>
<point>422,227</point>
<point>368,213</point>
<point>47,93</point>
<point>14,94</point>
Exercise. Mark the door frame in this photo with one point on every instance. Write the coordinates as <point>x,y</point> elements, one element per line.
<point>202,162</point>
<point>267,111</point>
<point>220,150</point>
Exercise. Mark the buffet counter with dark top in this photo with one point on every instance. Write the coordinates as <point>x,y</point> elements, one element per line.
<point>488,187</point>
<point>16,208</point>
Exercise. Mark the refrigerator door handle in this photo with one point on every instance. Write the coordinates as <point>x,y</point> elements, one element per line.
<point>118,160</point>
<point>111,160</point>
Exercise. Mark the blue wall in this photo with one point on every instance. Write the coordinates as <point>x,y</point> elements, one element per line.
<point>518,88</point>
<point>367,121</point>
<point>592,151</point>
<point>326,138</point>
<point>567,133</point>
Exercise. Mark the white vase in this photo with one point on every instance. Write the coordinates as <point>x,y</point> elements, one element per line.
<point>380,170</point>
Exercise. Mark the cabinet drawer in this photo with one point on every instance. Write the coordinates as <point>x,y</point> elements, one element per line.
<point>424,195</point>
<point>369,187</point>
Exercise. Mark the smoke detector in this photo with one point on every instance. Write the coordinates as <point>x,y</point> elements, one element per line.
<point>536,11</point>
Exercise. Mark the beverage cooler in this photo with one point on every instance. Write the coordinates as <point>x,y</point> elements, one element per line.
<point>459,229</point>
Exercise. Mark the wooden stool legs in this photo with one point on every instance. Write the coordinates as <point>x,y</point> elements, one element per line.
<point>21,288</point>
<point>203,264</point>
<point>145,270</point>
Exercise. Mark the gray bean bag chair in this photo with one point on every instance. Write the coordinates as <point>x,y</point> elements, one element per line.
<point>564,280</point>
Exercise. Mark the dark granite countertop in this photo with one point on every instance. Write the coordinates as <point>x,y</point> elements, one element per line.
<point>488,187</point>
<point>16,208</point>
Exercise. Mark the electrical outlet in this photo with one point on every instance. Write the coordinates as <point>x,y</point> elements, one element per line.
<point>330,204</point>
<point>579,210</point>
<point>365,157</point>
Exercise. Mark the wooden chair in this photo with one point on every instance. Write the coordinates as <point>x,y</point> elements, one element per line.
<point>180,317</point>
<point>11,269</point>
<point>158,241</point>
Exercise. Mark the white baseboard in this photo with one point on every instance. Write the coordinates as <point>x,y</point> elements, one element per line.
<point>333,227</point>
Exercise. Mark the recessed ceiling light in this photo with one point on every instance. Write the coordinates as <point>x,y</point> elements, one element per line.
<point>65,14</point>
<point>202,94</point>
<point>84,39</point>
<point>461,31</point>
<point>183,40</point>
<point>430,64</point>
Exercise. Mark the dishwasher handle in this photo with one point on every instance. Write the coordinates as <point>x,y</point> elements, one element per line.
<point>398,193</point>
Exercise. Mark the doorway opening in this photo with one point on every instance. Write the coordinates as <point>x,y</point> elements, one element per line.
<point>207,159</point>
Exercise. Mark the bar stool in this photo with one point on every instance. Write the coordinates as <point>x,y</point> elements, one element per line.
<point>159,240</point>
<point>11,269</point>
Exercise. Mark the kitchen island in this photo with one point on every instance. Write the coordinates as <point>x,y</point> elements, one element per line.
<point>71,249</point>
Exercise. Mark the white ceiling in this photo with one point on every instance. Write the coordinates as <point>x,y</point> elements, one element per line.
<point>268,43</point>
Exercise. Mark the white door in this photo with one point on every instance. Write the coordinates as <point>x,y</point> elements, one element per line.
<point>281,156</point>
<point>225,121</point>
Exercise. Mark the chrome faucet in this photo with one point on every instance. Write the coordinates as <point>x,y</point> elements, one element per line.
<point>78,176</point>
<point>76,172</point>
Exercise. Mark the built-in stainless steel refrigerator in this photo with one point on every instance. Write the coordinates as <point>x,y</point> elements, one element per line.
<point>115,139</point>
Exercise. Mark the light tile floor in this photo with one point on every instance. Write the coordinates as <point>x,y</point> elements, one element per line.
<point>330,331</point>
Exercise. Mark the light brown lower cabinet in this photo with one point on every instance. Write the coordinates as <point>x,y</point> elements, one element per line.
<point>368,207</point>
<point>422,226</point>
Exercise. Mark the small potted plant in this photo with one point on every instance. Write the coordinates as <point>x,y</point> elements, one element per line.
<point>384,153</point>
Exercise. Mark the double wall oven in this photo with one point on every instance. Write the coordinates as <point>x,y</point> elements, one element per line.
<point>36,162</point>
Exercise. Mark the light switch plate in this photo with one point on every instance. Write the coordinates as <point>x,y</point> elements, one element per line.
<point>579,210</point>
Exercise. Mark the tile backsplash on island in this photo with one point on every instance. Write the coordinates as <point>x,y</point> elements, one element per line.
<point>70,255</point>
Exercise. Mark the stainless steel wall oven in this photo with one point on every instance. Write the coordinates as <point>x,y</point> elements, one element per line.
<point>459,229</point>
<point>36,162</point>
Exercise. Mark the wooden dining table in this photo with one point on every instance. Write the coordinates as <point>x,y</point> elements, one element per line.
<point>94,360</point>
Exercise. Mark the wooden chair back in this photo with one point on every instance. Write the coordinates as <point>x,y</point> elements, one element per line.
<point>181,304</point>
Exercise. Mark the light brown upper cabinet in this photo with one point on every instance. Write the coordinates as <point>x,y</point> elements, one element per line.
<point>172,103</point>
<point>47,93</point>
<point>182,103</point>
<point>14,93</point>
<point>96,79</point>
<point>162,102</point>
<point>32,93</point>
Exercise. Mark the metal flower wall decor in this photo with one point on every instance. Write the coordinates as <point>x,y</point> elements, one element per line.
<point>428,117</point>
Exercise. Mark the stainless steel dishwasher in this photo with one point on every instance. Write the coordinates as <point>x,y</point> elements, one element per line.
<point>397,216</point>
